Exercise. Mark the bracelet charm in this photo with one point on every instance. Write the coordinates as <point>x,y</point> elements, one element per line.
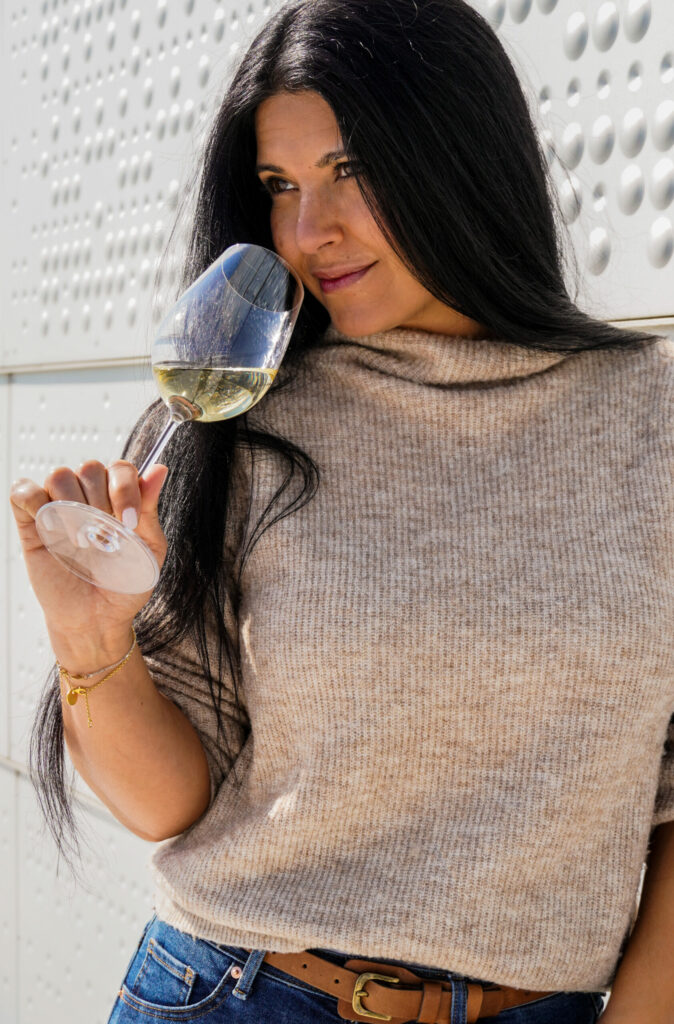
<point>75,691</point>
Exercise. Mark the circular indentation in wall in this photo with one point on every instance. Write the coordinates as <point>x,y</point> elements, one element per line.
<point>663,125</point>
<point>519,9</point>
<point>218,24</point>
<point>174,119</point>
<point>575,35</point>
<point>599,197</point>
<point>572,145</point>
<point>602,139</point>
<point>547,6</point>
<point>494,13</point>
<point>662,183</point>
<point>631,189</point>
<point>573,92</point>
<point>599,250</point>
<point>633,131</point>
<point>667,68</point>
<point>571,198</point>
<point>605,25</point>
<point>603,84</point>
<point>636,19</point>
<point>133,169</point>
<point>173,194</point>
<point>544,100</point>
<point>660,242</point>
<point>635,76</point>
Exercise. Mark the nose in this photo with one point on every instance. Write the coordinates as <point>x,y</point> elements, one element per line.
<point>318,222</point>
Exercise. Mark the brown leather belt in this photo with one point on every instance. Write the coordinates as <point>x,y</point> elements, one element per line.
<point>370,991</point>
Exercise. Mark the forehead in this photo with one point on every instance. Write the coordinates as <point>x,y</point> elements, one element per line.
<point>295,125</point>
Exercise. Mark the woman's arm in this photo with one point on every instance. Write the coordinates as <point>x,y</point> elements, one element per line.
<point>643,990</point>
<point>141,756</point>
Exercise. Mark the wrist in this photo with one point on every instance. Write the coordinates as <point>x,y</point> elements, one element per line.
<point>92,652</point>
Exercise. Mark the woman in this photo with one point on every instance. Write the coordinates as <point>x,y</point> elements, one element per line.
<point>411,725</point>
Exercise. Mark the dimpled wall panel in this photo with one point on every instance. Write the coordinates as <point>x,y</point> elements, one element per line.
<point>76,940</point>
<point>5,515</point>
<point>9,781</point>
<point>108,103</point>
<point>600,79</point>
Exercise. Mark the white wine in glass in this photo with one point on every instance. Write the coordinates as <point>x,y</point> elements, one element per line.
<point>215,355</point>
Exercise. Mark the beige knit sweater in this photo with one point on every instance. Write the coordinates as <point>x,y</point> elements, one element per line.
<point>458,666</point>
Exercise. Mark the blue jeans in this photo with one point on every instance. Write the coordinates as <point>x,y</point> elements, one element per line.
<point>172,977</point>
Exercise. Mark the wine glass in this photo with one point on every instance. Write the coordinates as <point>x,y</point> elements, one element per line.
<point>215,355</point>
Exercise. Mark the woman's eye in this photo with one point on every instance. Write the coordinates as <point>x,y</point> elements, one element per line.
<point>350,170</point>
<point>276,185</point>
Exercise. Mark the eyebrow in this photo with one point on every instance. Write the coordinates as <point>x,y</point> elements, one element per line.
<point>324,161</point>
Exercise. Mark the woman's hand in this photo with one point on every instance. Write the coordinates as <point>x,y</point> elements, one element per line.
<point>85,621</point>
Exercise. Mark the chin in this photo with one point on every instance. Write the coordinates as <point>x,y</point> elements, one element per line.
<point>358,325</point>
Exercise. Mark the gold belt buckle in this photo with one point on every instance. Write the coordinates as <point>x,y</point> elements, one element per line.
<point>359,992</point>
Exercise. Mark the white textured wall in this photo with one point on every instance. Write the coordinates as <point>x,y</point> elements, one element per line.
<point>103,106</point>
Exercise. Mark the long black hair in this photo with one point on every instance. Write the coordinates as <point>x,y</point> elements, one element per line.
<point>433,114</point>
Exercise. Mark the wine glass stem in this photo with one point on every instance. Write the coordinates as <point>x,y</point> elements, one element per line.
<point>164,438</point>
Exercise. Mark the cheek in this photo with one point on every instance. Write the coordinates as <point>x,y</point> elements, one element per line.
<point>282,227</point>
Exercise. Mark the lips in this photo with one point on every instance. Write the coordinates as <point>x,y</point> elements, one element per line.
<point>338,280</point>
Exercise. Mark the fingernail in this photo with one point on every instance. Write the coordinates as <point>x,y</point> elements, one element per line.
<point>130,518</point>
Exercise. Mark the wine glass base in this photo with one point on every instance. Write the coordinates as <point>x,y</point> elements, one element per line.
<point>96,547</point>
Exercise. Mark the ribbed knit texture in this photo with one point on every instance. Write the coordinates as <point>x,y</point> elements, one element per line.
<point>458,666</point>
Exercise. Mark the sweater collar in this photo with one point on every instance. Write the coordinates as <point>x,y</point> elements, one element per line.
<point>442,359</point>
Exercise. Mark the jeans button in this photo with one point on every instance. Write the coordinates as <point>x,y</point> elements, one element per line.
<point>236,972</point>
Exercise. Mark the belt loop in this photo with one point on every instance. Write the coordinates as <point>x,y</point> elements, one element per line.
<point>252,966</point>
<point>459,1001</point>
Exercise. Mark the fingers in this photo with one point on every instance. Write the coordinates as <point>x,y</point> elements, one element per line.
<point>149,528</point>
<point>26,499</point>
<point>93,479</point>
<point>124,492</point>
<point>116,490</point>
<point>150,489</point>
<point>134,501</point>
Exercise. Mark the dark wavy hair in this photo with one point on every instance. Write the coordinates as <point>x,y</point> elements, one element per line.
<point>450,164</point>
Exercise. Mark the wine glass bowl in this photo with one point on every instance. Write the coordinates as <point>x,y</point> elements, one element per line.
<point>215,354</point>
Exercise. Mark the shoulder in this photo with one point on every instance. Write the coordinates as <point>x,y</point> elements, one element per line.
<point>664,349</point>
<point>645,373</point>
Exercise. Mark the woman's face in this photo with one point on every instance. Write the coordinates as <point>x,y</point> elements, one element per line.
<point>321,225</point>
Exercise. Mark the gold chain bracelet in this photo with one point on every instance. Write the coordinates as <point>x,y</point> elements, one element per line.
<point>75,691</point>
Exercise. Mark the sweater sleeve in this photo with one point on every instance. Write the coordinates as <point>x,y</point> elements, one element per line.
<point>664,800</point>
